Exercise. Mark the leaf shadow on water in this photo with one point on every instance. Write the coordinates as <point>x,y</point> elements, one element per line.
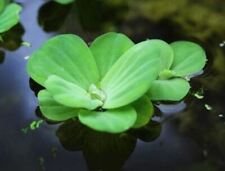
<point>12,39</point>
<point>88,15</point>
<point>54,20</point>
<point>102,150</point>
<point>2,56</point>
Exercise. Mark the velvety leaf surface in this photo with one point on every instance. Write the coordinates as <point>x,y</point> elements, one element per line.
<point>189,58</point>
<point>173,89</point>
<point>53,110</point>
<point>64,1</point>
<point>131,76</point>
<point>69,94</point>
<point>66,56</point>
<point>107,48</point>
<point>144,109</point>
<point>9,17</point>
<point>112,121</point>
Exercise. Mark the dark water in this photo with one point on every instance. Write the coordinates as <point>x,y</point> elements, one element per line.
<point>189,137</point>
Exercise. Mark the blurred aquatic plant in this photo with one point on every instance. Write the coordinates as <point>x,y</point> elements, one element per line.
<point>9,15</point>
<point>182,18</point>
<point>34,125</point>
<point>64,2</point>
<point>104,85</point>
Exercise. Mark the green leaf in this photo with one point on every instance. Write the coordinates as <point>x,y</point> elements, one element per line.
<point>166,54</point>
<point>166,74</point>
<point>66,56</point>
<point>107,48</point>
<point>69,94</point>
<point>189,58</point>
<point>53,110</point>
<point>3,4</point>
<point>144,109</point>
<point>173,90</point>
<point>9,17</point>
<point>111,121</point>
<point>64,1</point>
<point>131,76</point>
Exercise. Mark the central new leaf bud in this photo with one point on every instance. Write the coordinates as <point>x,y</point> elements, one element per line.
<point>96,93</point>
<point>166,74</point>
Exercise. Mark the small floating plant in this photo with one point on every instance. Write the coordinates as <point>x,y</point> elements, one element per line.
<point>109,85</point>
<point>9,15</point>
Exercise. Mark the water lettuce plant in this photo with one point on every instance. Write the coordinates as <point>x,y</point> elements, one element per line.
<point>182,60</point>
<point>9,15</point>
<point>106,86</point>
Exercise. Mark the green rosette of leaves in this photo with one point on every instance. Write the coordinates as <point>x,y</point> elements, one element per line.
<point>103,85</point>
<point>181,60</point>
<point>9,15</point>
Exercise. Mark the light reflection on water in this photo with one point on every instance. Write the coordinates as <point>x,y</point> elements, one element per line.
<point>170,109</point>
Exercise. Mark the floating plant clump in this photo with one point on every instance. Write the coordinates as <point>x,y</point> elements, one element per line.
<point>9,15</point>
<point>109,85</point>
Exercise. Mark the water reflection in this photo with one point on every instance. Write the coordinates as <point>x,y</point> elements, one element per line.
<point>104,151</point>
<point>85,15</point>
<point>53,21</point>
<point>12,39</point>
<point>2,56</point>
<point>171,109</point>
<point>207,128</point>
